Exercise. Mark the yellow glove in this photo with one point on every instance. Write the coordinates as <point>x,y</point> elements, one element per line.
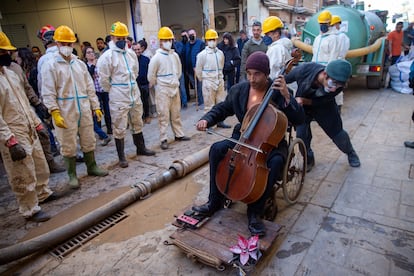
<point>59,121</point>
<point>98,114</point>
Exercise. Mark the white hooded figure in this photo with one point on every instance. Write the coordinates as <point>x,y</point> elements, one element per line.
<point>279,53</point>
<point>118,70</point>
<point>164,72</point>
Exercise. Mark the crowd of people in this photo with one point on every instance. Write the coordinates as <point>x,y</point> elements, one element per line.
<point>56,101</point>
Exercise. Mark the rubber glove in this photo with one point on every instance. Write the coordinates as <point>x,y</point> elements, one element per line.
<point>98,114</point>
<point>42,132</point>
<point>16,150</point>
<point>59,121</point>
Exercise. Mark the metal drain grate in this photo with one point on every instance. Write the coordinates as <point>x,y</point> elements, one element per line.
<point>411,171</point>
<point>64,249</point>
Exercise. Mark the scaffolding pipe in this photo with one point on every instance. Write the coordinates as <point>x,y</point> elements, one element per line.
<point>178,169</point>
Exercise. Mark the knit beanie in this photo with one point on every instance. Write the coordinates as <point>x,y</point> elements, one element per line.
<point>339,70</point>
<point>258,61</point>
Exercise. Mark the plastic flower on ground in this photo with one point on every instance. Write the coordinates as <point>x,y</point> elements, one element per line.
<point>246,248</point>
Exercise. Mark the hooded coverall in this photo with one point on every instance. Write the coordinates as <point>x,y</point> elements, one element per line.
<point>164,72</point>
<point>279,53</point>
<point>68,87</point>
<point>118,71</point>
<point>29,177</point>
<point>326,48</point>
<point>209,70</point>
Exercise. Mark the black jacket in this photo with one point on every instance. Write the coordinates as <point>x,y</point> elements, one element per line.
<point>305,75</point>
<point>232,57</point>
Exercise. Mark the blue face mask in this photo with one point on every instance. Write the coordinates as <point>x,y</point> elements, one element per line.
<point>120,44</point>
<point>324,28</point>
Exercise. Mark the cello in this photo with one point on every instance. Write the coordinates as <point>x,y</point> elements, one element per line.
<point>242,174</point>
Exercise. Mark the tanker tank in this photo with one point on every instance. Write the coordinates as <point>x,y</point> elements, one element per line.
<point>367,35</point>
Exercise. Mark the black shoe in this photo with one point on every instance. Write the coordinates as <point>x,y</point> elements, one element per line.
<point>52,197</point>
<point>353,159</point>
<point>223,125</point>
<point>409,144</point>
<point>310,164</point>
<point>256,225</point>
<point>79,159</point>
<point>39,217</point>
<point>164,145</point>
<point>183,138</point>
<point>207,209</point>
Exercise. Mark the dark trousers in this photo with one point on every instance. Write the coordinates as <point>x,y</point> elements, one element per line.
<point>144,89</point>
<point>329,119</point>
<point>104,101</point>
<point>275,162</point>
<point>229,76</point>
<point>199,88</point>
<point>238,73</point>
<point>98,130</point>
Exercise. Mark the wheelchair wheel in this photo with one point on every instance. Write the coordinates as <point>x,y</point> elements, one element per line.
<point>294,171</point>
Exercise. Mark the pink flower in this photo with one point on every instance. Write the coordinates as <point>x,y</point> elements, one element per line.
<point>246,248</point>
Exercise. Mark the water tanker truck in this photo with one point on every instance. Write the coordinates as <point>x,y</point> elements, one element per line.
<point>367,34</point>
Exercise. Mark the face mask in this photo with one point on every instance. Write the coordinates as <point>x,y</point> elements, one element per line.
<point>65,50</point>
<point>184,39</point>
<point>36,54</point>
<point>120,44</point>
<point>167,45</point>
<point>211,44</point>
<point>324,28</point>
<point>5,60</point>
<point>192,37</point>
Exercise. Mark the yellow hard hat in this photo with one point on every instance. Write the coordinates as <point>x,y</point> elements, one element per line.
<point>5,42</point>
<point>119,29</point>
<point>271,23</point>
<point>335,19</point>
<point>210,34</point>
<point>64,34</point>
<point>165,33</point>
<point>325,17</point>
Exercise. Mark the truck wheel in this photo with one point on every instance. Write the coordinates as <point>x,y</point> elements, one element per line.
<point>373,82</point>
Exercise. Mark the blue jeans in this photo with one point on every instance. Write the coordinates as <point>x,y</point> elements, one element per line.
<point>104,101</point>
<point>183,92</point>
<point>199,89</point>
<point>98,130</point>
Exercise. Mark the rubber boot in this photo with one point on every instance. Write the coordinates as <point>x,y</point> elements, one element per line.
<point>140,144</point>
<point>119,143</point>
<point>70,163</point>
<point>92,168</point>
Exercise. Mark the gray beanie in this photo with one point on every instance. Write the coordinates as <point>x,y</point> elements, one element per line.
<point>339,70</point>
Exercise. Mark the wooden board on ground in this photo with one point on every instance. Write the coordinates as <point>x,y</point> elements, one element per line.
<point>210,243</point>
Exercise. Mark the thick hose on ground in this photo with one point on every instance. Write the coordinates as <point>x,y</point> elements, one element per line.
<point>178,169</point>
<point>351,53</point>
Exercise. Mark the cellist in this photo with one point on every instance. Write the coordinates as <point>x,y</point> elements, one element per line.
<point>240,98</point>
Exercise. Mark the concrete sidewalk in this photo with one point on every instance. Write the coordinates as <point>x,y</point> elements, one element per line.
<point>348,221</point>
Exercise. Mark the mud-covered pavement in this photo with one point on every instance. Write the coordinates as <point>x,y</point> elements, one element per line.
<point>347,222</point>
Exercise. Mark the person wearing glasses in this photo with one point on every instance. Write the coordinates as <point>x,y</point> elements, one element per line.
<point>317,87</point>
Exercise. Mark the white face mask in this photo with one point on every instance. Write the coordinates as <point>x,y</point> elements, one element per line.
<point>211,44</point>
<point>167,45</point>
<point>65,50</point>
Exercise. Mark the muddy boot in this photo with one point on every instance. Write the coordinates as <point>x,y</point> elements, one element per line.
<point>92,168</point>
<point>55,167</point>
<point>119,143</point>
<point>70,163</point>
<point>140,144</point>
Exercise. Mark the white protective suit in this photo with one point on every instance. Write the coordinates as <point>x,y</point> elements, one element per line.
<point>279,53</point>
<point>326,47</point>
<point>44,59</point>
<point>68,87</point>
<point>29,177</point>
<point>118,71</point>
<point>209,70</point>
<point>344,44</point>
<point>164,72</point>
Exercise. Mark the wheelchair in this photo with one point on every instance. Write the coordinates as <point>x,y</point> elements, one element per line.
<point>293,176</point>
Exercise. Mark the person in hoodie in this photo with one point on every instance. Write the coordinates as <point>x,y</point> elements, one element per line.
<point>164,72</point>
<point>118,70</point>
<point>209,69</point>
<point>317,87</point>
<point>279,52</point>
<point>232,59</point>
